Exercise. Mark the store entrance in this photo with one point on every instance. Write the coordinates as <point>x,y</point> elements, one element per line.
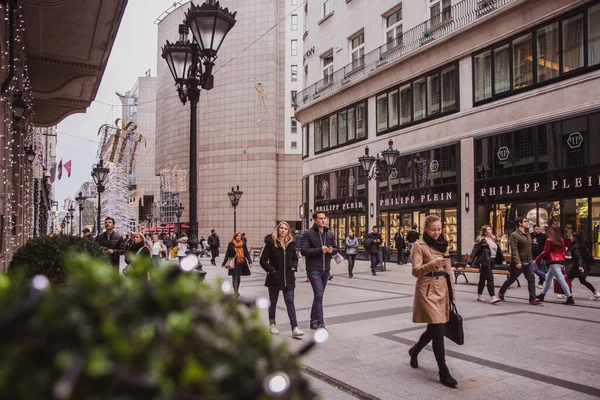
<point>449,218</point>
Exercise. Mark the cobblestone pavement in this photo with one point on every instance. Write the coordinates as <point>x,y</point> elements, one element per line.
<point>512,350</point>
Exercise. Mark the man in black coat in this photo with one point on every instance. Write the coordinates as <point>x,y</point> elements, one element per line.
<point>214,243</point>
<point>318,247</point>
<point>111,241</point>
<point>372,246</point>
<point>399,240</point>
<point>538,241</point>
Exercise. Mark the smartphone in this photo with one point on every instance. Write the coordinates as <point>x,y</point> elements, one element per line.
<point>445,257</point>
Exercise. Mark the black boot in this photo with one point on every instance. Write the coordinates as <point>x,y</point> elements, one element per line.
<point>414,362</point>
<point>446,378</point>
<point>540,297</point>
<point>569,301</point>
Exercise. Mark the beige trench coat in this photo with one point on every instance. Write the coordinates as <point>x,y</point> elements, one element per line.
<point>432,303</point>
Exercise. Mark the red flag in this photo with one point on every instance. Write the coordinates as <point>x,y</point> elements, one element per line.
<point>59,169</point>
<point>68,168</point>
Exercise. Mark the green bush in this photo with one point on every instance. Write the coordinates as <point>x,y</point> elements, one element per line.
<point>45,255</point>
<point>104,336</point>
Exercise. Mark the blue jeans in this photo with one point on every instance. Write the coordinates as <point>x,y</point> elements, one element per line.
<point>375,260</point>
<point>318,281</point>
<point>540,271</point>
<point>555,270</point>
<point>288,297</point>
<point>410,245</point>
<point>155,261</point>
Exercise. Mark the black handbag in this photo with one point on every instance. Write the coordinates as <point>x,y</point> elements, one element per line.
<point>453,329</point>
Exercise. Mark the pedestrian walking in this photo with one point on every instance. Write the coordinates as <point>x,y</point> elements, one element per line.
<point>157,248</point>
<point>351,250</point>
<point>182,247</point>
<point>431,266</point>
<point>521,263</point>
<point>137,246</point>
<point>280,260</point>
<point>111,241</point>
<point>411,237</point>
<point>242,262</point>
<point>400,244</point>
<point>318,246</point>
<point>554,254</point>
<point>538,241</point>
<point>372,246</point>
<point>486,254</point>
<point>581,261</point>
<point>214,243</point>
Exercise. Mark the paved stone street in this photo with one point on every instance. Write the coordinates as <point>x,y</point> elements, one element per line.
<point>512,350</point>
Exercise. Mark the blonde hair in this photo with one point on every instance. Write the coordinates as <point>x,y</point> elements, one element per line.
<point>286,240</point>
<point>430,219</point>
<point>136,234</point>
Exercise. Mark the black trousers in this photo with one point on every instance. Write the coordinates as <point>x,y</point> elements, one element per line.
<point>434,333</point>
<point>351,259</point>
<point>214,251</point>
<point>485,274</point>
<point>584,282</point>
<point>515,272</point>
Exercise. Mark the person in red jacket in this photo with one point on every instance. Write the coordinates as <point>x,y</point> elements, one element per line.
<point>554,254</point>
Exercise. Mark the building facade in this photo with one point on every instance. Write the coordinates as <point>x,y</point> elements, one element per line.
<point>491,103</point>
<point>246,132</point>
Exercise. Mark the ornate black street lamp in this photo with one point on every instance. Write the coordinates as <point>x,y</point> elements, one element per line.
<point>99,173</point>
<point>30,154</point>
<point>62,226</point>
<point>234,197</point>
<point>149,217</point>
<point>178,214</point>
<point>72,215</point>
<point>80,199</point>
<point>191,64</point>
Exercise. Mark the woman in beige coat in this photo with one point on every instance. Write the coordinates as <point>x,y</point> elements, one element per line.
<point>430,265</point>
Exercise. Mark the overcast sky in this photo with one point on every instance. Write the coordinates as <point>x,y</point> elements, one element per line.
<point>133,53</point>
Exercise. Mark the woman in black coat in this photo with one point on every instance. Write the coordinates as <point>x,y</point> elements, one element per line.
<point>280,260</point>
<point>242,262</point>
<point>581,260</point>
<point>486,254</point>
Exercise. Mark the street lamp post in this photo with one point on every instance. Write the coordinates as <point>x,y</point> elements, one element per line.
<point>99,173</point>
<point>72,215</point>
<point>80,199</point>
<point>62,226</point>
<point>234,197</point>
<point>378,168</point>
<point>178,214</point>
<point>149,219</point>
<point>209,24</point>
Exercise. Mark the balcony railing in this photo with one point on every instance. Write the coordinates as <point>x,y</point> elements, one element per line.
<point>448,21</point>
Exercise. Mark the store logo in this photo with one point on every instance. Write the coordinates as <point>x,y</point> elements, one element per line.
<point>394,173</point>
<point>575,140</point>
<point>434,166</point>
<point>503,153</point>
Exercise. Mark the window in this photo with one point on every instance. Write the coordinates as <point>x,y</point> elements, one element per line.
<point>294,125</point>
<point>393,29</point>
<point>305,141</point>
<point>294,22</point>
<point>357,51</point>
<point>559,48</point>
<point>572,43</point>
<point>522,50</point>
<point>294,93</point>
<point>294,73</point>
<point>427,96</point>
<point>343,127</point>
<point>594,35</point>
<point>327,61</point>
<point>326,7</point>
<point>440,12</point>
<point>294,145</point>
<point>294,47</point>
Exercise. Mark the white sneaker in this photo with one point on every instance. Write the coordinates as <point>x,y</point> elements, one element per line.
<point>494,300</point>
<point>273,329</point>
<point>561,296</point>
<point>409,264</point>
<point>596,296</point>
<point>297,332</point>
<point>480,298</point>
<point>540,287</point>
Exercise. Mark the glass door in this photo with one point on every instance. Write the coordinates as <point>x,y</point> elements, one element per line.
<point>576,217</point>
<point>595,243</point>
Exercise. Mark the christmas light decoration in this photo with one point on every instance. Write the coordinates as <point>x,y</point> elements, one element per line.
<point>265,113</point>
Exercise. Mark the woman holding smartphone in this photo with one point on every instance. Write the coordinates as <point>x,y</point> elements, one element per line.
<point>431,266</point>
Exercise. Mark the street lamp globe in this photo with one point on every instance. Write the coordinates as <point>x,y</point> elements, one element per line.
<point>100,173</point>
<point>80,199</point>
<point>30,154</point>
<point>209,24</point>
<point>179,211</point>
<point>390,155</point>
<point>71,210</point>
<point>367,160</point>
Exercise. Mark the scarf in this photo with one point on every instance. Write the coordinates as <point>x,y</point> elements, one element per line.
<point>441,244</point>
<point>136,246</point>
<point>239,250</point>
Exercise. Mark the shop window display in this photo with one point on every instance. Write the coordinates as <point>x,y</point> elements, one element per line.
<point>595,244</point>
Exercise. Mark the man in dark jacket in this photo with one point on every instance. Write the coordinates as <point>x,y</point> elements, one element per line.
<point>318,246</point>
<point>214,243</point>
<point>112,242</point>
<point>400,243</point>
<point>538,241</point>
<point>372,246</point>
<point>411,237</point>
